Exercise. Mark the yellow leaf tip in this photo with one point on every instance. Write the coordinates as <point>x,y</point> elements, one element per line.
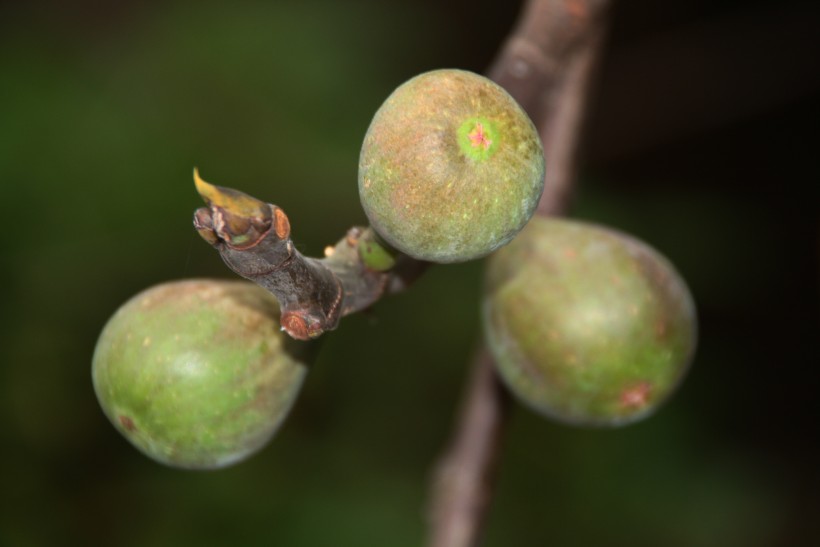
<point>205,190</point>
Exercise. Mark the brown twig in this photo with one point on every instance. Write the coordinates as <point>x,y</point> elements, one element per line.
<point>253,239</point>
<point>546,64</point>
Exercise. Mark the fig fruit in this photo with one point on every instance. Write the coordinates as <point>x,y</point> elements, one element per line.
<point>451,167</point>
<point>587,325</point>
<point>197,374</point>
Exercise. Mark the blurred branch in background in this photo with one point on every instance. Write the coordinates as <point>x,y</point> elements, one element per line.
<point>547,65</point>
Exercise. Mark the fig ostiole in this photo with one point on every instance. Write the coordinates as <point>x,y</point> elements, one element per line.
<point>197,374</point>
<point>587,325</point>
<point>451,167</point>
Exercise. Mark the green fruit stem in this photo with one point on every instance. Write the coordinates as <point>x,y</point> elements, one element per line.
<point>376,253</point>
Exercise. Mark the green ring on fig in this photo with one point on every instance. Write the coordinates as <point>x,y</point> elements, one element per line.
<point>478,138</point>
<point>451,167</point>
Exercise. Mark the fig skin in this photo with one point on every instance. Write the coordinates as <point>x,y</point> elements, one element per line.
<point>451,167</point>
<point>588,325</point>
<point>197,374</point>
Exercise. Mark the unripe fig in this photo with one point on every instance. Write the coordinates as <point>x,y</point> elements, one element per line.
<point>587,325</point>
<point>451,167</point>
<point>197,374</point>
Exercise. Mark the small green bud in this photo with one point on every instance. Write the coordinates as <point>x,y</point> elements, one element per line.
<point>375,253</point>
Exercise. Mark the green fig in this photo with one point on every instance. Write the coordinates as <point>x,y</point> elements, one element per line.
<point>197,374</point>
<point>587,325</point>
<point>451,167</point>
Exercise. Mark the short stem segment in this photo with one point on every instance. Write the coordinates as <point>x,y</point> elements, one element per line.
<point>253,239</point>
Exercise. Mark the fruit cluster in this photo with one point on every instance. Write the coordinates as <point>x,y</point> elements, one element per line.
<point>587,325</point>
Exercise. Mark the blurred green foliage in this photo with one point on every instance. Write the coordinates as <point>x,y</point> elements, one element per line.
<point>103,114</point>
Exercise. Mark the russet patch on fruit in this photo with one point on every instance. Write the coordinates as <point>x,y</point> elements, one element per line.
<point>451,167</point>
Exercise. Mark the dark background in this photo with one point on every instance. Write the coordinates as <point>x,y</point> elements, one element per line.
<point>702,140</point>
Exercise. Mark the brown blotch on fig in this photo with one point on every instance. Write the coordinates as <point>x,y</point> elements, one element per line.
<point>127,424</point>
